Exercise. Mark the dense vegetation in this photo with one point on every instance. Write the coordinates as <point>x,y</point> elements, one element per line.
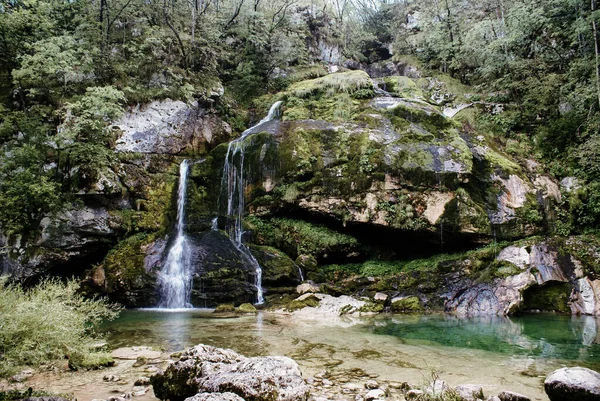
<point>49,323</point>
<point>67,68</point>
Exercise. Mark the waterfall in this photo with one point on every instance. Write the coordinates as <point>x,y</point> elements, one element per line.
<point>233,185</point>
<point>175,280</point>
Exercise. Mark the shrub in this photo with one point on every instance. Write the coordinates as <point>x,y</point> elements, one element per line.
<point>50,322</point>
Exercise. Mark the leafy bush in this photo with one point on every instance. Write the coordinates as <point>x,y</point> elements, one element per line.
<point>50,322</point>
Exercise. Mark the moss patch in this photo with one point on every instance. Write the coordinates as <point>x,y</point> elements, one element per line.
<point>246,308</point>
<point>310,301</point>
<point>408,304</point>
<point>299,237</point>
<point>550,297</point>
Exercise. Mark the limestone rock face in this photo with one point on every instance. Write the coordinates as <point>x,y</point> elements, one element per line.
<point>206,369</point>
<point>169,127</point>
<point>73,235</point>
<point>573,384</point>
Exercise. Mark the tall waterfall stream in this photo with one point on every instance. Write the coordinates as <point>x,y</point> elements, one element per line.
<point>233,185</point>
<point>175,279</point>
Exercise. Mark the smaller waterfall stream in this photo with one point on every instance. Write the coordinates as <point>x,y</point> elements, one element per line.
<point>233,185</point>
<point>175,277</point>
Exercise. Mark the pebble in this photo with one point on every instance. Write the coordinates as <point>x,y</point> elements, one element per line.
<point>377,394</point>
<point>111,378</point>
<point>142,381</point>
<point>151,369</point>
<point>358,398</point>
<point>413,394</point>
<point>371,385</point>
<point>327,383</point>
<point>140,361</point>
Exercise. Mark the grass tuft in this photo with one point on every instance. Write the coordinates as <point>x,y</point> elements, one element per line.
<point>49,322</point>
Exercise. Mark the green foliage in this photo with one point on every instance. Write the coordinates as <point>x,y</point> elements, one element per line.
<point>49,322</point>
<point>345,82</point>
<point>298,237</point>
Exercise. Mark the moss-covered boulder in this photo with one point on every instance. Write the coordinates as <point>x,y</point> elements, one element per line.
<point>407,304</point>
<point>225,308</point>
<point>246,308</point>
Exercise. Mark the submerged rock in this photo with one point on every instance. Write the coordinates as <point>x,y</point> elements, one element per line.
<point>573,384</point>
<point>511,396</point>
<point>206,369</point>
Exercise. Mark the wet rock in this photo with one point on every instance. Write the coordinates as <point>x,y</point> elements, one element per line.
<point>215,397</point>
<point>140,361</point>
<point>142,381</point>
<point>208,369</point>
<point>511,396</point>
<point>470,392</point>
<point>111,378</point>
<point>573,384</point>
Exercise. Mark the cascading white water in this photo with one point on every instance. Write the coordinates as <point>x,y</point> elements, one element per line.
<point>175,280</point>
<point>233,185</point>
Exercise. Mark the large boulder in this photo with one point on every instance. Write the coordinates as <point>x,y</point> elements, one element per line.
<point>573,384</point>
<point>206,369</point>
<point>169,127</point>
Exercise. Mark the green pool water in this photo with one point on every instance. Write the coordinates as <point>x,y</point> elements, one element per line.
<point>499,353</point>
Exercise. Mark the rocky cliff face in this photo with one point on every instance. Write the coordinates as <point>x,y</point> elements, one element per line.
<point>353,180</point>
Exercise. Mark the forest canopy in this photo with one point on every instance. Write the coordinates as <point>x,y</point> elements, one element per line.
<point>68,68</point>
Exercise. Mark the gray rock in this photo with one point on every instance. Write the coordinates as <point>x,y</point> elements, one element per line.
<point>213,370</point>
<point>518,256</point>
<point>168,127</point>
<point>437,388</point>
<point>376,394</point>
<point>470,392</point>
<point>511,396</point>
<point>371,385</point>
<point>227,396</point>
<point>570,184</point>
<point>573,384</point>
<point>380,296</point>
<point>307,288</point>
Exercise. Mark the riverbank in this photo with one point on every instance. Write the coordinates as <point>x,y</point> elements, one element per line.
<point>339,356</point>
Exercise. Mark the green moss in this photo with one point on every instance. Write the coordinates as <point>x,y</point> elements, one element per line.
<point>550,297</point>
<point>311,301</point>
<point>225,308</point>
<point>370,307</point>
<point>124,264</point>
<point>297,237</point>
<point>346,82</point>
<point>90,361</point>
<point>497,160</point>
<point>407,304</point>
<point>246,308</point>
